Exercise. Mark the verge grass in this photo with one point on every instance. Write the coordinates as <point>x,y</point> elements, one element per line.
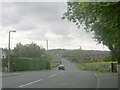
<point>95,66</point>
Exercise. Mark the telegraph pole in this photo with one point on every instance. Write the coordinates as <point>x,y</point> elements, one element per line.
<point>47,45</point>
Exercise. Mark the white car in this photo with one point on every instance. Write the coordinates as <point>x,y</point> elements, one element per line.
<point>61,67</point>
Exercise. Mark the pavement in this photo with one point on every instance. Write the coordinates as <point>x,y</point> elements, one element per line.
<point>2,75</point>
<point>69,78</point>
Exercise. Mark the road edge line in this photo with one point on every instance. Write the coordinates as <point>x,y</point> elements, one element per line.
<point>98,81</point>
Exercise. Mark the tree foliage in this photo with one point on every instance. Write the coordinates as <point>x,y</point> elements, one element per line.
<point>101,18</point>
<point>28,50</point>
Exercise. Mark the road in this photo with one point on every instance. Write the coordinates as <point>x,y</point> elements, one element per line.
<point>69,78</point>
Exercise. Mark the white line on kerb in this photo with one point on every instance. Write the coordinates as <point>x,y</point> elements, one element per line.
<point>98,80</point>
<point>30,83</point>
<point>53,75</point>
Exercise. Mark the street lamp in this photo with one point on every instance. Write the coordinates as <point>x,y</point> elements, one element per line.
<point>9,50</point>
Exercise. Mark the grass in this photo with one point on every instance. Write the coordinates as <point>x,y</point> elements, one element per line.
<point>95,66</point>
<point>54,63</point>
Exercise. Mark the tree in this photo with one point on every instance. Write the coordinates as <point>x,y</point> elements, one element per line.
<point>101,18</point>
<point>17,49</point>
<point>28,50</point>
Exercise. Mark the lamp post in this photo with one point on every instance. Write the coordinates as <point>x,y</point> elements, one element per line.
<point>9,50</point>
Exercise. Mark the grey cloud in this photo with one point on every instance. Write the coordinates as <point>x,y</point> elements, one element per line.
<point>25,25</point>
<point>9,14</point>
<point>38,34</point>
<point>40,12</point>
<point>47,11</point>
<point>60,28</point>
<point>67,39</point>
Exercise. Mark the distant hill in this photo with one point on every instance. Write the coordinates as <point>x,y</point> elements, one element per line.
<point>82,54</point>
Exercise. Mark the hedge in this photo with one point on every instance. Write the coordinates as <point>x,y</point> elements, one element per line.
<point>27,64</point>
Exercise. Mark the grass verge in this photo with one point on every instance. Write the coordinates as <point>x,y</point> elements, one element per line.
<point>95,66</point>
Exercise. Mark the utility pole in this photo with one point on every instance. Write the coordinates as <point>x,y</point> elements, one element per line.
<point>9,51</point>
<point>47,45</point>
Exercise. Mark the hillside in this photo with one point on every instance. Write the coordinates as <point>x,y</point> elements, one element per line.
<point>81,54</point>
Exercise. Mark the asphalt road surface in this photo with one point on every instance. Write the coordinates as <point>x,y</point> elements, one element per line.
<point>69,78</point>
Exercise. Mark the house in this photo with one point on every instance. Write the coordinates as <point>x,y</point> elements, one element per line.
<point>2,54</point>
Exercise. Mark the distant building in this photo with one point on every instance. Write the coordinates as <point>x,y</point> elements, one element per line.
<point>2,54</point>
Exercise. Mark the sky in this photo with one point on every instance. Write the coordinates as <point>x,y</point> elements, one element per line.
<point>40,21</point>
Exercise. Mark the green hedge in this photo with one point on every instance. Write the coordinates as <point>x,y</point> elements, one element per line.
<point>27,64</point>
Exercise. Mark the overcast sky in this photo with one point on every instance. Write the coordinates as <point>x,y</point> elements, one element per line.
<point>40,21</point>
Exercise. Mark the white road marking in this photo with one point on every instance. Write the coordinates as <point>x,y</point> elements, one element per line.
<point>37,80</point>
<point>98,81</point>
<point>53,75</point>
<point>30,83</point>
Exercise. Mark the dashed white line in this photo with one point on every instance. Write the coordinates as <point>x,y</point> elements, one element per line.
<point>30,83</point>
<point>53,75</point>
<point>37,80</point>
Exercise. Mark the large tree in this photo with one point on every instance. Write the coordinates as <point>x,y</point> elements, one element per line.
<point>28,50</point>
<point>101,18</point>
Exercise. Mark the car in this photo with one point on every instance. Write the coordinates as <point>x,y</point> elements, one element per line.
<point>61,67</point>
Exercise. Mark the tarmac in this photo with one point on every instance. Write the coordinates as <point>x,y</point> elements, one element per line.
<point>5,74</point>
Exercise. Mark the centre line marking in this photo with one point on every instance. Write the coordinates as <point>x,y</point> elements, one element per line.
<point>30,83</point>
<point>53,75</point>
